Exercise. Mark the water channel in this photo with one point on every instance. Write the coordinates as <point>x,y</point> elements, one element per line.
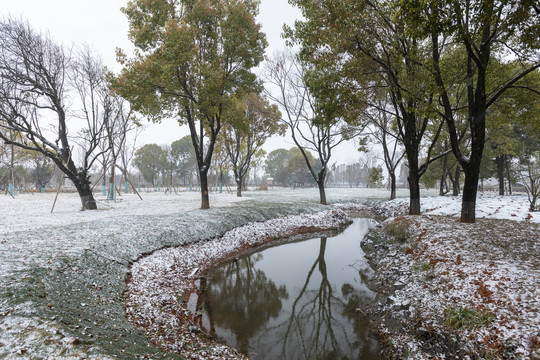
<point>300,300</point>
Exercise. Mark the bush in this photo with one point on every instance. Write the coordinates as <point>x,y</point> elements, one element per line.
<point>398,229</point>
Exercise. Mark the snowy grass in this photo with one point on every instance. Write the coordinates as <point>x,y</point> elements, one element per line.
<point>62,275</point>
<point>488,206</point>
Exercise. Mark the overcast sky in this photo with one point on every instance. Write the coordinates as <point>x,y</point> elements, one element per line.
<point>101,25</point>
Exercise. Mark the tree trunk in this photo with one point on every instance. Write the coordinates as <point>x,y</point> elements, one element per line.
<point>104,179</point>
<point>124,173</point>
<point>12,170</point>
<point>205,199</point>
<point>239,184</point>
<point>412,143</point>
<point>392,185</point>
<point>171,177</point>
<point>321,178</point>
<point>508,174</point>
<point>472,173</point>
<point>322,192</point>
<point>414,181</point>
<point>455,181</point>
<point>82,184</point>
<point>499,161</point>
<point>111,183</point>
<point>533,201</point>
<point>442,182</point>
<point>470,189</point>
<point>414,191</point>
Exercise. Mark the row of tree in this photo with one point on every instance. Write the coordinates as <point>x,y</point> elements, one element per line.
<point>24,167</point>
<point>288,168</point>
<point>423,73</point>
<point>435,81</point>
<point>176,164</point>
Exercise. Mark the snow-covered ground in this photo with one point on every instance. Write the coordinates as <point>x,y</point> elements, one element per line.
<point>62,275</point>
<point>478,284</point>
<point>460,290</point>
<point>488,205</point>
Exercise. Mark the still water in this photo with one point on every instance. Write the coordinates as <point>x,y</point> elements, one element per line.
<point>302,300</point>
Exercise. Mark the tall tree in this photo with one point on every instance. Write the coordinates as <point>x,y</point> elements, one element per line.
<point>193,57</point>
<point>295,166</point>
<point>483,30</point>
<point>275,166</point>
<point>529,170</point>
<point>368,42</point>
<point>510,117</point>
<point>37,78</point>
<point>182,155</point>
<point>252,122</point>
<point>384,132</point>
<point>104,113</point>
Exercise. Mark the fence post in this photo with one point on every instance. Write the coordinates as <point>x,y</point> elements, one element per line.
<point>111,191</point>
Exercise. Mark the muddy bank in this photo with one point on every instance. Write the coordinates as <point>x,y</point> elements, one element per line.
<point>453,290</point>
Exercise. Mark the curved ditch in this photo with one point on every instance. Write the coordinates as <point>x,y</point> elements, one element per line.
<point>164,297</point>
<point>62,286</point>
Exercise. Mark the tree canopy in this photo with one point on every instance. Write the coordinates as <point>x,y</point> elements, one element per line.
<point>192,58</point>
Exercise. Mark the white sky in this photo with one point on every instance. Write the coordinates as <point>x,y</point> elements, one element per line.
<point>100,24</point>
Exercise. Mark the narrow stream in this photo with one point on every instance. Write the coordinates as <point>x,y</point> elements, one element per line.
<point>301,300</point>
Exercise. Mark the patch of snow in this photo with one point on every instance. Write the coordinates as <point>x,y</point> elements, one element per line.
<point>491,267</point>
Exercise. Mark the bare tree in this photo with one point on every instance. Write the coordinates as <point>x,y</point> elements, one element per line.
<point>311,127</point>
<point>119,125</point>
<point>37,77</point>
<point>385,133</point>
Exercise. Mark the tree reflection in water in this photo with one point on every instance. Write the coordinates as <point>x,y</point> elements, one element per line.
<point>318,321</point>
<point>315,328</point>
<point>243,299</point>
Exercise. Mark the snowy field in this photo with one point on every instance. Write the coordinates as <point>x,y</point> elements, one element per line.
<point>488,206</point>
<point>62,275</point>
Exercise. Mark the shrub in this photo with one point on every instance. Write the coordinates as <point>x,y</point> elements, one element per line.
<point>422,267</point>
<point>398,229</point>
